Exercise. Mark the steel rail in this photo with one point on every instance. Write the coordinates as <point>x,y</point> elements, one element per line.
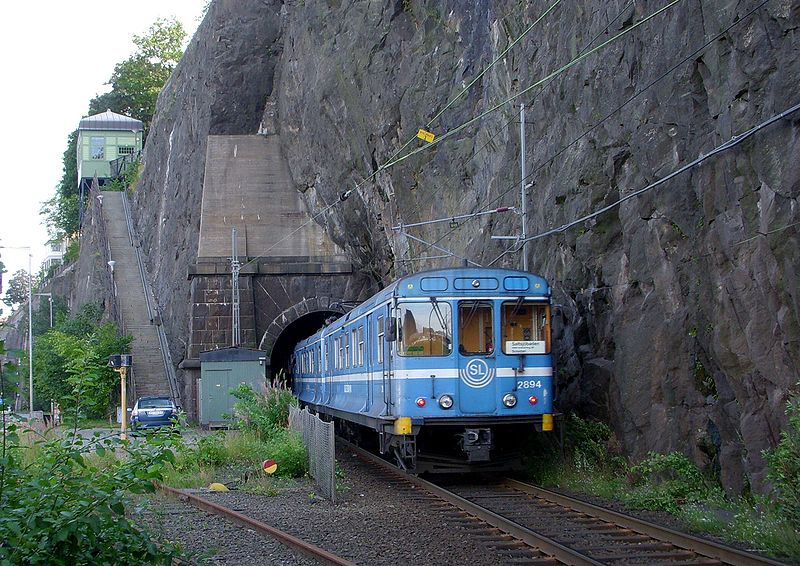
<point>545,544</point>
<point>683,540</point>
<point>285,538</point>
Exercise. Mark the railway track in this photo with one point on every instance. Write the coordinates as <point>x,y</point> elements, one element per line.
<point>599,535</point>
<point>570,531</point>
<point>294,543</point>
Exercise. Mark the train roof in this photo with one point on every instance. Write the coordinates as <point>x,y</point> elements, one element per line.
<point>466,281</point>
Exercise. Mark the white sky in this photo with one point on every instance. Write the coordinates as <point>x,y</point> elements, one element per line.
<point>55,56</point>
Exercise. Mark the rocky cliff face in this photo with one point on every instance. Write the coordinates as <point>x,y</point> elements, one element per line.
<point>679,318</point>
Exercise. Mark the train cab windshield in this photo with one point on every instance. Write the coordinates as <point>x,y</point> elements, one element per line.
<point>425,329</point>
<point>525,327</point>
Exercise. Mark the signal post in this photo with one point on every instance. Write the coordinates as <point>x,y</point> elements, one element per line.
<point>120,363</point>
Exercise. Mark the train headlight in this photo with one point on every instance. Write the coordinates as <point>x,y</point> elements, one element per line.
<point>421,402</point>
<point>445,401</point>
<point>509,400</point>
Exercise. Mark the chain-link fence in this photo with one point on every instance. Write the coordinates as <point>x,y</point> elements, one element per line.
<point>318,437</point>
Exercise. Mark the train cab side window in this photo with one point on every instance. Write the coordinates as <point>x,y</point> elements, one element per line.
<point>475,328</point>
<point>426,329</point>
<point>380,334</point>
<point>525,327</point>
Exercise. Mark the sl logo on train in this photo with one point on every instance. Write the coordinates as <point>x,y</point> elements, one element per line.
<point>477,374</point>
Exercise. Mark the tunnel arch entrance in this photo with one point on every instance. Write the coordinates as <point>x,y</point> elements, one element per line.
<point>293,325</point>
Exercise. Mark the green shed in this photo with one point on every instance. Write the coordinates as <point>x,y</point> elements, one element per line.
<point>105,138</point>
<point>221,371</point>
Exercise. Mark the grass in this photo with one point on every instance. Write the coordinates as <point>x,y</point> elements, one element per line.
<point>667,483</point>
<point>68,422</point>
<point>234,458</point>
<point>755,524</point>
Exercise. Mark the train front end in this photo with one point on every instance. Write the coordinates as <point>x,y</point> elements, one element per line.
<point>473,370</point>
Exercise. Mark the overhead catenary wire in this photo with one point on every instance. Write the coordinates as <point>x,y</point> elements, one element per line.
<point>345,195</point>
<point>473,81</point>
<point>457,217</point>
<point>599,123</point>
<point>464,125</point>
<point>441,249</point>
<point>538,93</point>
<point>544,81</point>
<point>732,142</point>
<point>563,68</point>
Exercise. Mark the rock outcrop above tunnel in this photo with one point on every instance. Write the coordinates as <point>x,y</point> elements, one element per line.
<point>679,315</point>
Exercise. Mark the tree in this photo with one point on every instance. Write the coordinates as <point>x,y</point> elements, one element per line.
<point>71,361</point>
<point>17,291</point>
<point>136,82</point>
<point>61,211</point>
<point>9,377</point>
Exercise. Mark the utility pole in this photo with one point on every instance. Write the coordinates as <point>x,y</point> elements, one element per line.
<point>236,338</point>
<point>523,187</point>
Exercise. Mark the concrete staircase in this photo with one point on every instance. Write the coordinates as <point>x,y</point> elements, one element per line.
<point>148,374</point>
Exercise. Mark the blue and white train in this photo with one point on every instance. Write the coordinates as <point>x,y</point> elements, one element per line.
<point>448,370</point>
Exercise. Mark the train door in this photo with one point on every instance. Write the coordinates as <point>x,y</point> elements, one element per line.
<point>369,359</point>
<point>477,359</point>
<point>334,354</point>
<point>386,324</point>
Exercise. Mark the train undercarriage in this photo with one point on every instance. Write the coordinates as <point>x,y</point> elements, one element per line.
<point>473,445</point>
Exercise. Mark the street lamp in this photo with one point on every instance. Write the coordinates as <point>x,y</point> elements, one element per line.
<point>30,323</point>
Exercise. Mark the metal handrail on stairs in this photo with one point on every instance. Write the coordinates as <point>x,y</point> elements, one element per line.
<point>172,378</point>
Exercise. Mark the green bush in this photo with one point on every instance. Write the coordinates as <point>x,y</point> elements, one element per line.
<point>263,414</point>
<point>211,449</point>
<point>71,363</point>
<point>784,466</point>
<point>286,447</point>
<point>665,482</point>
<point>73,251</point>
<point>62,505</point>
<point>587,444</point>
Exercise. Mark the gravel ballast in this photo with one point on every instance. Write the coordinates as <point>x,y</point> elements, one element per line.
<point>376,520</point>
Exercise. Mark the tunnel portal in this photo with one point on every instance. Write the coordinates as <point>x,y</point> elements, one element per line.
<point>296,331</point>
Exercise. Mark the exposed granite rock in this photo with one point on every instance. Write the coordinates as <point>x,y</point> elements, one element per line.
<point>681,305</point>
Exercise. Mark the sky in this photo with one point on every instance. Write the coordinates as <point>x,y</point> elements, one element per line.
<point>55,56</point>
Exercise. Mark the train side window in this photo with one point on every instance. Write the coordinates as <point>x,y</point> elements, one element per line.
<point>380,339</point>
<point>426,329</point>
<point>337,353</point>
<point>360,345</point>
<point>525,327</point>
<point>353,341</point>
<point>475,328</point>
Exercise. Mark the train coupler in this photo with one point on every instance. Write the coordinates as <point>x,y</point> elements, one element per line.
<point>477,444</point>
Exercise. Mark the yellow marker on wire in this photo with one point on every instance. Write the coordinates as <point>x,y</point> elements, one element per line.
<point>425,135</point>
